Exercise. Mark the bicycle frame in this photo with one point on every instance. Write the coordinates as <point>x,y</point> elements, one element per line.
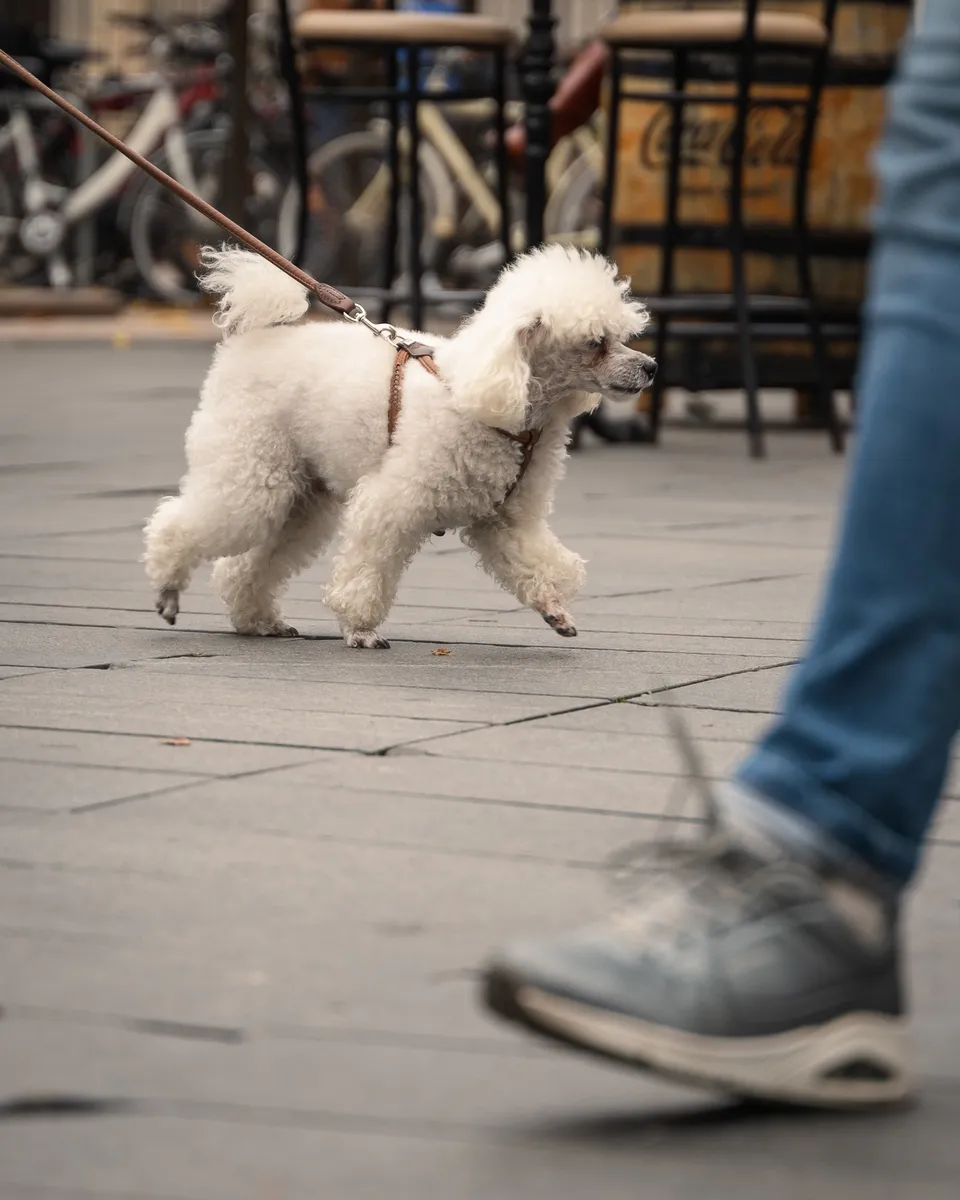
<point>158,123</point>
<point>51,209</point>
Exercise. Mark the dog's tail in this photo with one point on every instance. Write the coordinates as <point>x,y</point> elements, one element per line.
<point>253,292</point>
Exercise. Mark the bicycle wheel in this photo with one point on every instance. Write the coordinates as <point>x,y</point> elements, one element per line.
<point>575,206</point>
<point>349,193</point>
<point>166,235</point>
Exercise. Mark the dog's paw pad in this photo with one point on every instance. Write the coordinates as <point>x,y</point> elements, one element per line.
<point>562,623</point>
<point>168,605</point>
<point>367,639</point>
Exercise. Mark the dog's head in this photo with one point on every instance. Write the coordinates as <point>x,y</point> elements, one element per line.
<point>556,322</point>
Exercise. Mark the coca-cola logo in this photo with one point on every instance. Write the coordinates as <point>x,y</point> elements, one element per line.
<point>773,137</point>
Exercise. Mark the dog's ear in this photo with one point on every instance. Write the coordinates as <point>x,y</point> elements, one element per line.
<point>487,369</point>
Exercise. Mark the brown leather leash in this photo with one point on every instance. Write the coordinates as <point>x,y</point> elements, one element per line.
<point>328,296</point>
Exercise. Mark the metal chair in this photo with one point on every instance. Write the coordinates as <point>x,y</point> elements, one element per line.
<point>746,49</point>
<point>401,39</point>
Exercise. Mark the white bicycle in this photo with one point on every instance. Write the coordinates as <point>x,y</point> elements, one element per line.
<point>350,189</point>
<point>38,214</point>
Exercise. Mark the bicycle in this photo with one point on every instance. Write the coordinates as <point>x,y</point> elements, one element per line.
<point>164,234</point>
<point>350,186</point>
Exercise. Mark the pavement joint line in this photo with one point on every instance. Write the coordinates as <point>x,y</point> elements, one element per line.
<point>79,766</point>
<point>672,687</point>
<point>447,797</point>
<point>141,608</point>
<point>531,762</point>
<point>499,1047</point>
<point>605,703</point>
<point>81,1105</point>
<point>143,664</point>
<point>425,848</point>
<point>60,558</point>
<point>95,869</point>
<point>406,641</point>
<point>57,533</point>
<point>752,712</point>
<point>205,740</point>
<point>438,737</point>
<point>702,587</point>
<point>98,805</point>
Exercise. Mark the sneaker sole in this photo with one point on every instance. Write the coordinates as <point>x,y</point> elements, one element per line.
<point>858,1060</point>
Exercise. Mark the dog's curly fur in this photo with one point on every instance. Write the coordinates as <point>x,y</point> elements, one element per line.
<point>289,447</point>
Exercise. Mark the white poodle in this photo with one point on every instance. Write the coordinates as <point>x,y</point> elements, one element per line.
<point>289,445</point>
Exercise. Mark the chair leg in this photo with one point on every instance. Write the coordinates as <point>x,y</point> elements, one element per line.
<point>671,228</point>
<point>748,361</point>
<point>736,225</point>
<point>396,183</point>
<point>502,161</point>
<point>658,388</point>
<point>416,213</point>
<point>826,399</point>
<point>613,129</point>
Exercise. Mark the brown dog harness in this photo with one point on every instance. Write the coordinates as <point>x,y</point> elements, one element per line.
<point>526,440</point>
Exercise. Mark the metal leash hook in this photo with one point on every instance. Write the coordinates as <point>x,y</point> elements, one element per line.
<point>358,316</point>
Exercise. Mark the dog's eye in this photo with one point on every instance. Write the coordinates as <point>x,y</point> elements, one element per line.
<point>597,344</point>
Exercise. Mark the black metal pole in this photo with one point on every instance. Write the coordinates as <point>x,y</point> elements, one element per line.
<point>236,172</point>
<point>537,81</point>
<point>291,77</point>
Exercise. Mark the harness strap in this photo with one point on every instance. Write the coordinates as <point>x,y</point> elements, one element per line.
<point>423,355</point>
<point>526,439</point>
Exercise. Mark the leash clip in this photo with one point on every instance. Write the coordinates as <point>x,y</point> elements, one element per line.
<point>358,316</point>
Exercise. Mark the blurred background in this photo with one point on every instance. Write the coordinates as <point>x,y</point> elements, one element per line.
<point>117,55</point>
<point>302,132</point>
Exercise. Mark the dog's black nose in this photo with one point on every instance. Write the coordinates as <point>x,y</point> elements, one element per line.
<point>651,369</point>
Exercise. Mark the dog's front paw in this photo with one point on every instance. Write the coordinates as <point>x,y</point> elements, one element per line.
<point>366,639</point>
<point>562,622</point>
<point>168,605</point>
<point>276,628</point>
<point>282,629</point>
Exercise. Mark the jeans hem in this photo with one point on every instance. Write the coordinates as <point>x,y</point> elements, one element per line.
<point>832,816</point>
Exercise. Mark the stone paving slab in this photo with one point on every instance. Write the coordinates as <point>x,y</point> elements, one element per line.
<point>261,948</point>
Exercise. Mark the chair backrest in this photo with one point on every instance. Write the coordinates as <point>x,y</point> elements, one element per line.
<point>827,13</point>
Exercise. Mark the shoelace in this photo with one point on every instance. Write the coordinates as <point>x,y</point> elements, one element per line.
<point>671,883</point>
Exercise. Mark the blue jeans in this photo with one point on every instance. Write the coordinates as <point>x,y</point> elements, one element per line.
<point>863,747</point>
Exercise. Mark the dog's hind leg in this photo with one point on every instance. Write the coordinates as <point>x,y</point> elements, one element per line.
<point>217,514</point>
<point>251,584</point>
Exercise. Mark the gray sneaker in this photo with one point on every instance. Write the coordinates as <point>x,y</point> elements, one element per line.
<point>751,972</point>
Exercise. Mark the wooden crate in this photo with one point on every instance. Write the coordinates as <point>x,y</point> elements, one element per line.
<point>841,185</point>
